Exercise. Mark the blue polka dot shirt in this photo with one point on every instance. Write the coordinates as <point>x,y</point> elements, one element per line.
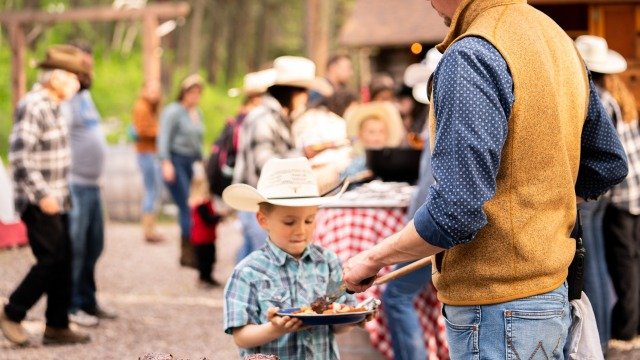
<point>473,97</point>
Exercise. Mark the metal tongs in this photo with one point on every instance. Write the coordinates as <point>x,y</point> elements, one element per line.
<point>369,303</point>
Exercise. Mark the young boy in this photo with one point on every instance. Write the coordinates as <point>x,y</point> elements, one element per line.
<point>289,271</point>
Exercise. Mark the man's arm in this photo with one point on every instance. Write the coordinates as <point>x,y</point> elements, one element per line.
<point>603,162</point>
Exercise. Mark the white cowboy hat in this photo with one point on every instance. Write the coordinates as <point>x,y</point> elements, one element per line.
<point>255,83</point>
<point>417,75</point>
<point>283,182</point>
<point>382,110</point>
<point>294,71</point>
<point>598,57</point>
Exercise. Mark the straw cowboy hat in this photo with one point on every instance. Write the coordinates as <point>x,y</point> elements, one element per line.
<point>417,76</point>
<point>598,57</point>
<point>294,71</point>
<point>283,182</point>
<point>65,57</point>
<point>191,81</point>
<point>255,83</point>
<point>382,110</point>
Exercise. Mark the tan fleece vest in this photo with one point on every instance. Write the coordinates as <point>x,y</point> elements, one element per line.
<point>525,249</point>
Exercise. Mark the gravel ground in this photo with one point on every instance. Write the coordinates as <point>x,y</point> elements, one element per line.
<point>160,307</point>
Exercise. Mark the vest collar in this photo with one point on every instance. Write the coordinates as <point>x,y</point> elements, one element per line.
<point>467,12</point>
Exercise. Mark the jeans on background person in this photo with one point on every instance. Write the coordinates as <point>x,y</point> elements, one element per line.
<point>87,242</point>
<point>407,337</point>
<point>254,237</point>
<point>179,189</point>
<point>597,283</point>
<point>530,328</point>
<point>51,274</point>
<point>622,234</point>
<point>151,179</point>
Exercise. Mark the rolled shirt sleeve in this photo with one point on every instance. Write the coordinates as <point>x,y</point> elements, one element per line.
<point>473,96</point>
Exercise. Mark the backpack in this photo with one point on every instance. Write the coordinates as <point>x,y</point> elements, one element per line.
<point>222,159</point>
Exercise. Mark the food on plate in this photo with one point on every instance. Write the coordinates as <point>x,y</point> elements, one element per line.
<point>261,357</point>
<point>320,304</point>
<point>330,309</point>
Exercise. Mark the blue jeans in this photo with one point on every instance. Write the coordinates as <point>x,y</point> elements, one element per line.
<point>254,237</point>
<point>150,168</point>
<point>531,328</point>
<point>407,337</point>
<point>597,283</point>
<point>179,189</point>
<point>87,241</point>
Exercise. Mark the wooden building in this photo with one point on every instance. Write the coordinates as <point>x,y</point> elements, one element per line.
<point>382,31</point>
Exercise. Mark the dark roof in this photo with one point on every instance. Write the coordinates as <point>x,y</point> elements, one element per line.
<point>392,23</point>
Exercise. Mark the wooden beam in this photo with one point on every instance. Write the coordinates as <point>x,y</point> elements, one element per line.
<point>97,13</point>
<point>18,77</point>
<point>150,48</point>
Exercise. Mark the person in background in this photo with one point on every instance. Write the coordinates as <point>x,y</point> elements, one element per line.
<point>407,338</point>
<point>266,134</point>
<point>621,219</point>
<point>518,138</point>
<point>338,75</point>
<point>290,271</point>
<point>371,125</point>
<point>382,88</point>
<point>86,223</point>
<point>179,147</point>
<point>204,223</point>
<point>145,123</point>
<point>40,157</point>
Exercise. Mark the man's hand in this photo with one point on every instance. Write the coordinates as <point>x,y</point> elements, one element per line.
<point>360,271</point>
<point>49,205</point>
<point>283,324</point>
<point>168,172</point>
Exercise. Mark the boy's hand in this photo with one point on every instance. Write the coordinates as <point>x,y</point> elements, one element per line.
<point>283,324</point>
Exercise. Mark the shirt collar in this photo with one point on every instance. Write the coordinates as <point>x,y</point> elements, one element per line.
<point>280,256</point>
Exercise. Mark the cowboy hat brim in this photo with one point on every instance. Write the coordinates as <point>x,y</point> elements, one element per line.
<point>302,83</point>
<point>385,111</point>
<point>244,197</point>
<point>613,64</point>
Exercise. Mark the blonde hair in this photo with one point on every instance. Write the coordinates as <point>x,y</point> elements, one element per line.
<point>625,99</point>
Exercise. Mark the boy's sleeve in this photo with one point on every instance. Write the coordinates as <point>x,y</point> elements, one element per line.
<point>240,299</point>
<point>335,273</point>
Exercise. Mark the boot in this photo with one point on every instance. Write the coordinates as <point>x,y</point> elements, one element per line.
<point>148,228</point>
<point>188,254</point>
<point>60,336</point>
<point>13,331</point>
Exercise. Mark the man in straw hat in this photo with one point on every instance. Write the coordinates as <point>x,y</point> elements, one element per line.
<point>518,136</point>
<point>288,272</point>
<point>40,157</point>
<point>266,133</point>
<point>614,220</point>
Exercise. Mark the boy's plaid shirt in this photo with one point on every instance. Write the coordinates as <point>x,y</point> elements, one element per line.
<point>269,277</point>
<point>39,151</point>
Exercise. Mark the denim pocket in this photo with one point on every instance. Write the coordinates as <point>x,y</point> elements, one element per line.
<point>462,325</point>
<point>535,334</point>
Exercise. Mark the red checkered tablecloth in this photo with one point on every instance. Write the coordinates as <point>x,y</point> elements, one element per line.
<point>348,231</point>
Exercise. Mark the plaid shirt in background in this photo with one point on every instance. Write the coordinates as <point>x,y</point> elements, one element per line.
<point>269,277</point>
<point>625,195</point>
<point>265,134</point>
<point>39,151</point>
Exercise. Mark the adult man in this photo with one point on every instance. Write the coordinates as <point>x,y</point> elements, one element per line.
<point>88,148</point>
<point>339,72</point>
<point>39,155</point>
<point>518,135</point>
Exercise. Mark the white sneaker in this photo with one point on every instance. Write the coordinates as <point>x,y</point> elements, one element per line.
<point>81,318</point>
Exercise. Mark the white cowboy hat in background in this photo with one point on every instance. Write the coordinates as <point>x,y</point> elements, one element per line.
<point>598,57</point>
<point>283,182</point>
<point>294,71</point>
<point>255,83</point>
<point>417,75</point>
<point>382,110</point>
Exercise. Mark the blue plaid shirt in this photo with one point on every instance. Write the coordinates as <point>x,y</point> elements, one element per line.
<point>269,277</point>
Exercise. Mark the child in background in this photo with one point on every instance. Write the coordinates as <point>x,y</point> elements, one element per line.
<point>290,271</point>
<point>204,223</point>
